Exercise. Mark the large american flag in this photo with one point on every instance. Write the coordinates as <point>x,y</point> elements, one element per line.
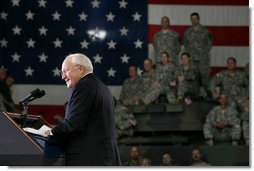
<point>36,35</point>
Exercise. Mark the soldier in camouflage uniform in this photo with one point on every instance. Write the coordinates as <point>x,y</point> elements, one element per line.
<point>167,40</point>
<point>188,78</point>
<point>167,77</point>
<point>198,43</point>
<point>134,157</point>
<point>124,120</point>
<point>222,123</point>
<point>230,82</point>
<point>150,86</point>
<point>130,87</point>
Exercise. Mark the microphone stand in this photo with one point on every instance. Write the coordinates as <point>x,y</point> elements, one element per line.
<point>25,111</point>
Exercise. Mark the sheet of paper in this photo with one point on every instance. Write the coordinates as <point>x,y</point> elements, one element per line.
<point>38,132</point>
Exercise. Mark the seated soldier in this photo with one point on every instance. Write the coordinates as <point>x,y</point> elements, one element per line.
<point>150,88</point>
<point>134,157</point>
<point>197,158</point>
<point>188,79</point>
<point>130,87</point>
<point>222,123</point>
<point>124,120</point>
<point>166,74</point>
<point>145,162</point>
<point>230,82</point>
<point>167,160</point>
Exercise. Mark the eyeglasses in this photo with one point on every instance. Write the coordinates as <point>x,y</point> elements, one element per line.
<point>64,71</point>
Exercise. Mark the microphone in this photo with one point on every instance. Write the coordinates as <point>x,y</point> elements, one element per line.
<point>36,93</point>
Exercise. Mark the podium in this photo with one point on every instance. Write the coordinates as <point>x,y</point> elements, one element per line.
<point>18,148</point>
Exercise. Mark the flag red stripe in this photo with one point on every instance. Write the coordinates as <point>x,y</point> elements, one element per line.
<point>222,35</point>
<point>200,2</point>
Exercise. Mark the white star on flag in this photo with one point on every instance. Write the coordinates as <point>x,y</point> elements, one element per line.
<point>111,44</point>
<point>124,31</point>
<point>69,3</point>
<point>97,58</point>
<point>30,43</point>
<point>3,43</point>
<point>57,43</point>
<point>29,71</point>
<point>16,30</point>
<point>122,4</point>
<point>70,30</point>
<point>84,44</point>
<point>56,72</point>
<point>111,72</point>
<point>83,16</point>
<point>136,16</point>
<point>4,15</point>
<point>15,57</point>
<point>96,4</point>
<point>125,58</point>
<point>15,2</point>
<point>43,58</point>
<point>140,71</point>
<point>42,3</point>
<point>43,31</point>
<point>56,16</point>
<point>29,15</point>
<point>138,44</point>
<point>110,17</point>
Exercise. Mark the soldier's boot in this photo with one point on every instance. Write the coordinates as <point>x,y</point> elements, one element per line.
<point>234,143</point>
<point>209,142</point>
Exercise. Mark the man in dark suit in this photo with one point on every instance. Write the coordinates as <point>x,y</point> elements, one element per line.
<point>87,134</point>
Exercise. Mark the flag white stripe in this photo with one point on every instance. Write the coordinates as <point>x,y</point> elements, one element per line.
<point>210,15</point>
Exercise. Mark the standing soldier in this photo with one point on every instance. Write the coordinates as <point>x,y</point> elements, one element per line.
<point>222,123</point>
<point>230,82</point>
<point>167,40</point>
<point>188,79</point>
<point>151,87</point>
<point>130,87</point>
<point>198,43</point>
<point>167,78</point>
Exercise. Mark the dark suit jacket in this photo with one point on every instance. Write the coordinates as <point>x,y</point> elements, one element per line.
<point>88,130</point>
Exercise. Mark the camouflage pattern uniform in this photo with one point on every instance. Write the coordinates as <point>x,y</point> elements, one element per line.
<point>230,132</point>
<point>129,90</point>
<point>169,42</point>
<point>198,43</point>
<point>243,106</point>
<point>232,84</point>
<point>122,121</point>
<point>246,73</point>
<point>150,87</point>
<point>167,80</point>
<point>190,86</point>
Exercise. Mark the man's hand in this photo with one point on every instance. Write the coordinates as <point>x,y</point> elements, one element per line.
<point>222,124</point>
<point>216,95</point>
<point>133,122</point>
<point>48,132</point>
<point>181,78</point>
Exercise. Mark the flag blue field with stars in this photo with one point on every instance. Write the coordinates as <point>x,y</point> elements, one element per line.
<point>36,36</point>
